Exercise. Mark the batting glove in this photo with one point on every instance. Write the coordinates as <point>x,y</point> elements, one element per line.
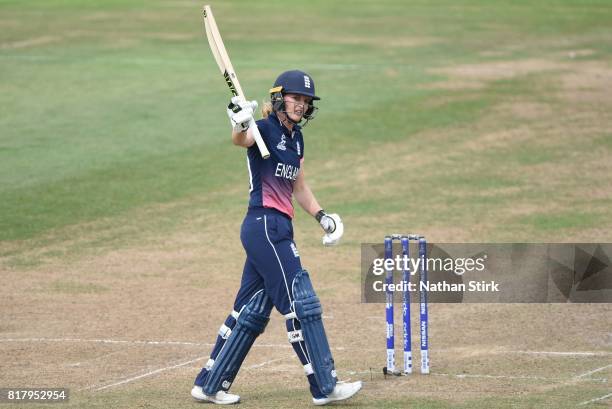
<point>332,226</point>
<point>328,224</point>
<point>240,113</point>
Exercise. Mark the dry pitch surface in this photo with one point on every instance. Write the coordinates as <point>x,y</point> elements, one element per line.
<point>131,327</point>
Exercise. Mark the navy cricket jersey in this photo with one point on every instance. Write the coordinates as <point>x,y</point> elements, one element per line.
<point>271,180</point>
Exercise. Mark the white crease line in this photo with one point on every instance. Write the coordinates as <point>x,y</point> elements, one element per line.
<point>187,343</point>
<point>127,342</point>
<point>265,363</point>
<point>149,374</point>
<point>593,371</point>
<point>105,341</point>
<point>517,377</point>
<point>560,353</point>
<point>596,399</point>
<point>135,378</point>
<point>137,342</point>
<point>460,376</point>
<point>501,352</point>
<point>272,346</point>
<point>88,361</point>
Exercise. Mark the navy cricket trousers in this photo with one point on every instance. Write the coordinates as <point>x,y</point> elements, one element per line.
<point>272,261</point>
<point>272,258</point>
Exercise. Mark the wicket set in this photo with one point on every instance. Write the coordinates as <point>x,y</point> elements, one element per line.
<point>424,319</point>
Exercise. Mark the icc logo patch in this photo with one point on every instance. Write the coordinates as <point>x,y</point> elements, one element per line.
<point>281,145</point>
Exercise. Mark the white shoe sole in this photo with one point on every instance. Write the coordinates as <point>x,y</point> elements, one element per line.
<point>325,401</point>
<point>201,397</point>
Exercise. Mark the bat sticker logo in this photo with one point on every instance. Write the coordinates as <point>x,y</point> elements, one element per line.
<point>230,83</point>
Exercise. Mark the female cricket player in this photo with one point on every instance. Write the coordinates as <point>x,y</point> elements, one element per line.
<point>273,275</point>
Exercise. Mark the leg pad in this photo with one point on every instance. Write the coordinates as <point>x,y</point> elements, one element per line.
<point>308,312</point>
<point>251,322</point>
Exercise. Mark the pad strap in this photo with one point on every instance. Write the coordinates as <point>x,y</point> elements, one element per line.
<point>225,331</point>
<point>209,364</point>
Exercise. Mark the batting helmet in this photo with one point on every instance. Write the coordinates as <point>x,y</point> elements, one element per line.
<point>293,82</point>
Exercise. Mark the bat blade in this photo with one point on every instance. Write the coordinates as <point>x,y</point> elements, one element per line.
<point>225,65</point>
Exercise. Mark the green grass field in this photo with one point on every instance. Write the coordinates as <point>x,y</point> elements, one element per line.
<point>121,194</point>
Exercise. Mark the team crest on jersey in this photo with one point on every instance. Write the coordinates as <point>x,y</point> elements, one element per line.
<point>281,145</point>
<point>295,250</point>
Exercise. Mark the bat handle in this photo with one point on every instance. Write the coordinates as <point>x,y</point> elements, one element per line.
<point>259,140</point>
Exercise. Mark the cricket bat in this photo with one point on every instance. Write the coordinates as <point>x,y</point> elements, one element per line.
<point>225,65</point>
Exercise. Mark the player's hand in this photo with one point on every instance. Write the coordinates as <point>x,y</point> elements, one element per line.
<point>328,223</point>
<point>332,226</point>
<point>240,113</point>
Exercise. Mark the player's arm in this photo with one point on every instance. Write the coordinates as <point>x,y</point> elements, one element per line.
<point>331,224</point>
<point>244,138</point>
<point>304,196</point>
<point>240,114</point>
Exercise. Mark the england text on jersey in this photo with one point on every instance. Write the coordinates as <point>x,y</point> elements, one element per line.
<point>286,171</point>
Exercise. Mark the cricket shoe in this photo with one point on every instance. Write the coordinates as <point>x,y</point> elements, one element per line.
<point>220,398</point>
<point>342,391</point>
